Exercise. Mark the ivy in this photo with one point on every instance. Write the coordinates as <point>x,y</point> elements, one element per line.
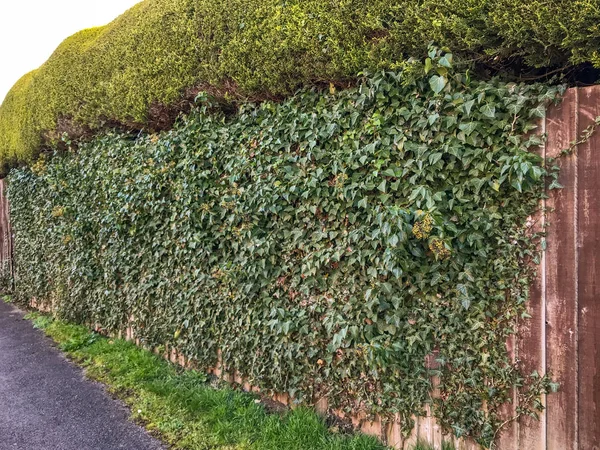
<point>354,244</point>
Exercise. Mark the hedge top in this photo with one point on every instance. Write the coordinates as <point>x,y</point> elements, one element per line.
<point>124,73</point>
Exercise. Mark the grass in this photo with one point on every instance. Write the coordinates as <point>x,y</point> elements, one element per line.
<point>180,406</point>
<point>426,446</point>
<point>183,409</point>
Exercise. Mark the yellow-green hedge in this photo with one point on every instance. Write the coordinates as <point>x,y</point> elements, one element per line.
<point>157,49</point>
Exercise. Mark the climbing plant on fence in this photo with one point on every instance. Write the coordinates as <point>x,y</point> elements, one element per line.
<point>330,244</point>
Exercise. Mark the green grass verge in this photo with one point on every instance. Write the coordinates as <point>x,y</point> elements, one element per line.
<point>180,407</point>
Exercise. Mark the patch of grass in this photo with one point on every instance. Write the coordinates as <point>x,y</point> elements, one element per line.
<point>7,299</point>
<point>39,321</point>
<point>426,446</point>
<point>183,409</point>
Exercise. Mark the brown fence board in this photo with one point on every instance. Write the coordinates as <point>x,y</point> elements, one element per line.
<point>531,343</point>
<point>561,280</point>
<point>589,274</point>
<point>509,435</point>
<point>6,262</point>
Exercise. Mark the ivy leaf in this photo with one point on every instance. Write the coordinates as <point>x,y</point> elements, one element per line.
<point>435,157</point>
<point>469,127</point>
<point>437,83</point>
<point>468,106</point>
<point>488,110</point>
<point>555,185</point>
<point>446,60</point>
<point>517,185</point>
<point>428,65</point>
<point>539,111</point>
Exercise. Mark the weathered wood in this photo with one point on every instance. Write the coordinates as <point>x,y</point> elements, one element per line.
<point>561,279</point>
<point>6,241</point>
<point>588,268</point>
<point>531,343</point>
<point>509,435</point>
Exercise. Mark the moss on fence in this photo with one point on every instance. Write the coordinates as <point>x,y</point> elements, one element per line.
<point>160,49</point>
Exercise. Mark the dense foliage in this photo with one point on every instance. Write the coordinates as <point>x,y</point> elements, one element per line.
<point>159,49</point>
<point>331,244</point>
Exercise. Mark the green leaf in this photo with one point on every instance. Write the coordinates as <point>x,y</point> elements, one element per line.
<point>469,127</point>
<point>468,106</point>
<point>435,157</point>
<point>446,60</point>
<point>539,111</point>
<point>428,65</point>
<point>437,83</point>
<point>488,110</point>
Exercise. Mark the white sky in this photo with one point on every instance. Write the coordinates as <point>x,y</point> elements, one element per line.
<point>30,30</point>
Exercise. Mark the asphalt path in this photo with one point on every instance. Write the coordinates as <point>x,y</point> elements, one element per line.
<point>46,403</point>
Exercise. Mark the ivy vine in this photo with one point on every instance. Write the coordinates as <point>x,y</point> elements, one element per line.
<point>354,244</point>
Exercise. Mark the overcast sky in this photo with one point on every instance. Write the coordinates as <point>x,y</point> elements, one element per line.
<point>30,30</point>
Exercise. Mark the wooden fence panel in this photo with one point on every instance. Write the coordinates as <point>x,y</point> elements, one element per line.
<point>588,217</point>
<point>6,244</point>
<point>531,345</point>
<point>561,280</point>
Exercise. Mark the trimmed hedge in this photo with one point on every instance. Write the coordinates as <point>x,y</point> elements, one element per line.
<point>329,244</point>
<point>158,49</point>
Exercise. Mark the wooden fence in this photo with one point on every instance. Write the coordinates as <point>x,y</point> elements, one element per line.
<point>563,335</point>
<point>6,241</point>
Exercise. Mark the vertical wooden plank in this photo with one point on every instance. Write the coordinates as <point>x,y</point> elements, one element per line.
<point>425,425</point>
<point>589,273</point>
<point>437,438</point>
<point>531,345</point>
<point>6,262</point>
<point>3,227</point>
<point>509,435</point>
<point>11,246</point>
<point>431,363</point>
<point>322,406</point>
<point>412,440</point>
<point>394,435</point>
<point>372,428</point>
<point>561,279</point>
